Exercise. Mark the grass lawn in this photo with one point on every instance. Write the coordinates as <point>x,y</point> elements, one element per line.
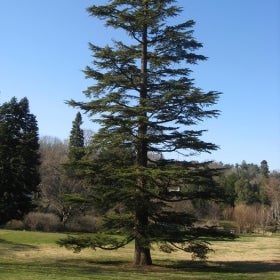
<point>34,255</point>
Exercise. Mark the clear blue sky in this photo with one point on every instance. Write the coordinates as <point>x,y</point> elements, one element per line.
<point>43,48</point>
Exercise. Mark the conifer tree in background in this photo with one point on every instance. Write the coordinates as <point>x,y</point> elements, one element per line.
<point>147,104</point>
<point>264,169</point>
<point>71,179</point>
<point>19,159</point>
<point>76,141</point>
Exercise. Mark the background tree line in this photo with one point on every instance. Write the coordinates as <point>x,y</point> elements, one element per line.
<point>251,191</point>
<point>50,199</point>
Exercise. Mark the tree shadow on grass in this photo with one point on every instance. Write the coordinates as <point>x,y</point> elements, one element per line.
<point>118,267</point>
<point>55,270</point>
<point>184,266</point>
<point>9,247</point>
<point>97,263</point>
<point>85,266</point>
<point>229,266</point>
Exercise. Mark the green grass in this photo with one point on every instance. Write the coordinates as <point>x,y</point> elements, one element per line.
<point>34,255</point>
<point>29,237</point>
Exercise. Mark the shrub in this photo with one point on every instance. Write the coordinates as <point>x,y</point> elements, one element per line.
<point>228,213</point>
<point>247,218</point>
<point>15,225</point>
<point>253,218</point>
<point>83,224</point>
<point>42,222</point>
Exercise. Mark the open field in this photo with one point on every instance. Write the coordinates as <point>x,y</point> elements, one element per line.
<point>34,255</point>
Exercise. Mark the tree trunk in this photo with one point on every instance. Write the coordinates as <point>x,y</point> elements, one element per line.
<point>142,256</point>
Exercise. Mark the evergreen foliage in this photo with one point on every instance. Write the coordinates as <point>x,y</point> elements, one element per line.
<point>146,104</point>
<point>76,141</point>
<point>19,159</point>
<point>245,183</point>
<point>264,169</point>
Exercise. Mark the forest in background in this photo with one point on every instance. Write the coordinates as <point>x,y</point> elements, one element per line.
<point>44,186</point>
<point>251,192</point>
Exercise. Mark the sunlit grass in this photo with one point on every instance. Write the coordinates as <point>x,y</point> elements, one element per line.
<point>34,255</point>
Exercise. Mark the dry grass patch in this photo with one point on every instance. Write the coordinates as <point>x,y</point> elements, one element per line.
<point>248,248</point>
<point>40,258</point>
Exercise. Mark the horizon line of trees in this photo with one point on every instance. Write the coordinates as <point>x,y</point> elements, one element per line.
<point>251,193</point>
<point>244,184</point>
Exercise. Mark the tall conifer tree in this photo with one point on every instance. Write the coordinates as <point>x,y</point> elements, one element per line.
<point>147,104</point>
<point>76,141</point>
<point>19,159</point>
